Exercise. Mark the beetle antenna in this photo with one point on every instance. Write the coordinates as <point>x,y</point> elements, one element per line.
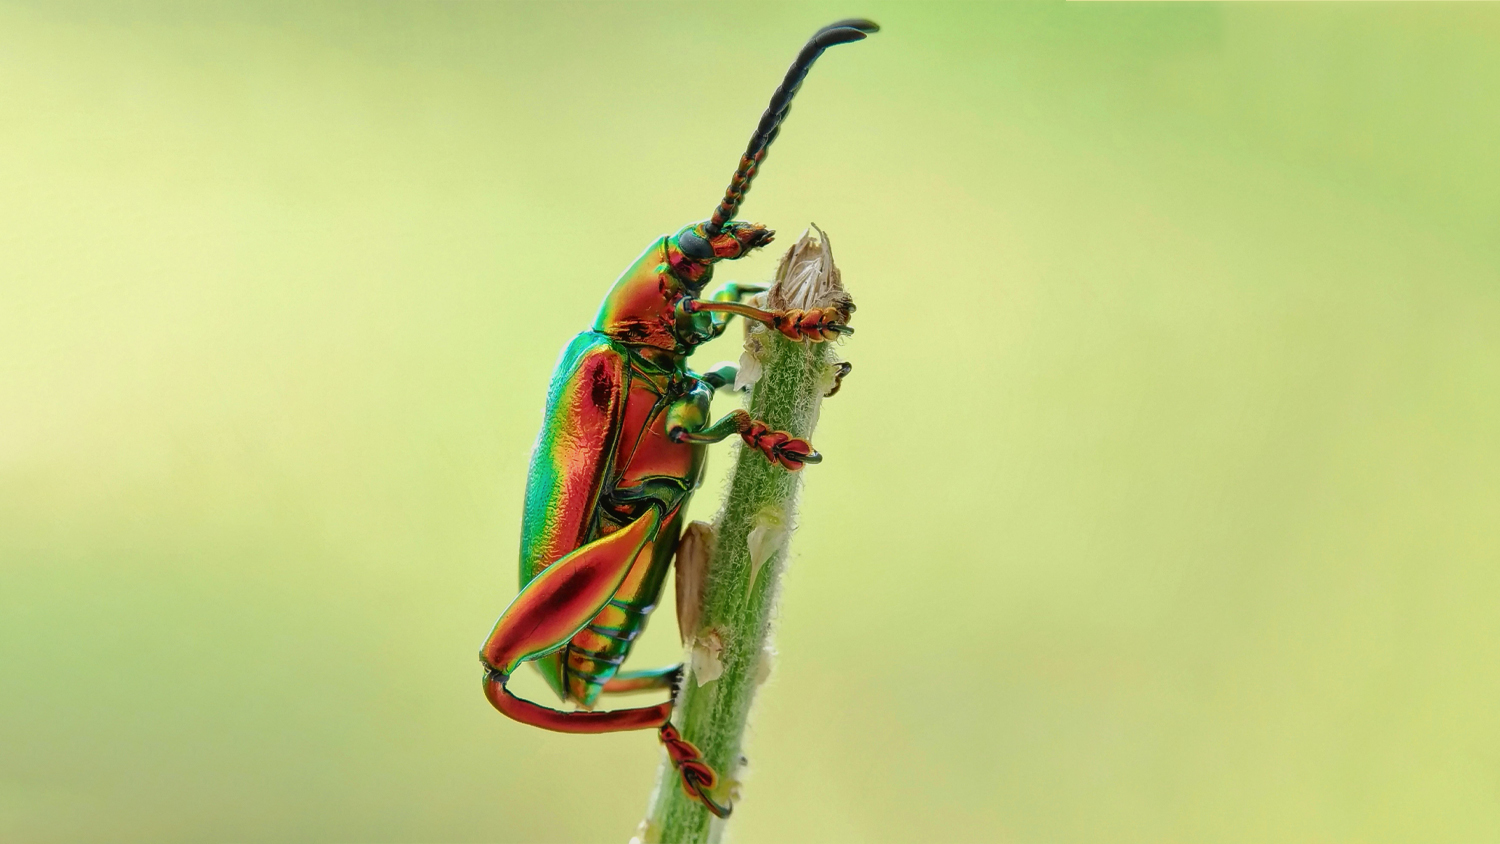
<point>842,32</point>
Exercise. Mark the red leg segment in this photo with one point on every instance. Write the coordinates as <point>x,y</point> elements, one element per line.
<point>552,608</point>
<point>561,600</point>
<point>579,721</point>
<point>698,779</point>
<point>817,324</point>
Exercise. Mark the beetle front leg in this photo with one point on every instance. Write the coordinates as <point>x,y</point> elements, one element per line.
<point>816,324</point>
<point>778,446</point>
<point>733,292</point>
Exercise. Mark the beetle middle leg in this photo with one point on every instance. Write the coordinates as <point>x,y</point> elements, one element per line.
<point>778,446</point>
<point>721,376</point>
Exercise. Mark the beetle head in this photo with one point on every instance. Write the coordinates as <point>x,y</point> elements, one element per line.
<point>699,249</point>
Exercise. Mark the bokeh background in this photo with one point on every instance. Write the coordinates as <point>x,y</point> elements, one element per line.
<point>1161,504</point>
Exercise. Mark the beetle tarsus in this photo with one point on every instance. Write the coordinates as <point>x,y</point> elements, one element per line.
<point>698,779</point>
<point>778,446</point>
<point>816,324</point>
<point>842,369</point>
<point>702,795</point>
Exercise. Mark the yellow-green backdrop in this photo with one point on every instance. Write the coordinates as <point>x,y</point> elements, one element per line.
<point>1161,505</point>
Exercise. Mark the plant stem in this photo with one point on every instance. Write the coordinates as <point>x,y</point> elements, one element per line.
<point>749,550</point>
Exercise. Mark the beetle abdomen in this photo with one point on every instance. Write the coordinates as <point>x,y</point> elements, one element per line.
<point>595,653</point>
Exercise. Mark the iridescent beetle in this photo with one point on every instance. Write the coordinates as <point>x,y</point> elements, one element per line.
<point>621,451</point>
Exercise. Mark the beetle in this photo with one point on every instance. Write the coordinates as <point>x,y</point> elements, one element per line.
<point>622,448</point>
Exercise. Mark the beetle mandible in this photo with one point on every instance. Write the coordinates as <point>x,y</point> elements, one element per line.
<point>620,452</point>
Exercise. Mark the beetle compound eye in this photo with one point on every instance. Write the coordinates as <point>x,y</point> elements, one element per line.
<point>694,246</point>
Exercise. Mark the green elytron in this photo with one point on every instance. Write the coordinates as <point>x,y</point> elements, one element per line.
<point>620,453</point>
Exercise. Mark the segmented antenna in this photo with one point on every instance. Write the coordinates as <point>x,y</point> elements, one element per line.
<point>842,32</point>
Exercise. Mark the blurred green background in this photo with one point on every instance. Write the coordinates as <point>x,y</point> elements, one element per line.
<point>1160,507</point>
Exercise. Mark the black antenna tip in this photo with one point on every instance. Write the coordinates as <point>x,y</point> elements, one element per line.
<point>860,24</point>
<point>831,35</point>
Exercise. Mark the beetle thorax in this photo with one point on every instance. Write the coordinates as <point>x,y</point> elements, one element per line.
<point>641,309</point>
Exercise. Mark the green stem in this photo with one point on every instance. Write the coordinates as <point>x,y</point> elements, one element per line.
<point>738,595</point>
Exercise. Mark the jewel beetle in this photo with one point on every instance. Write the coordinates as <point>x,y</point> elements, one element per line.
<point>621,450</point>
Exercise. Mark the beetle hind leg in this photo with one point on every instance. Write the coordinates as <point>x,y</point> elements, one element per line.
<point>550,610</point>
<point>698,779</point>
<point>614,720</point>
